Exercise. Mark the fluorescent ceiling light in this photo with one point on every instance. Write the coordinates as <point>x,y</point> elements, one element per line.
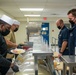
<point>31,9</point>
<point>33,15</point>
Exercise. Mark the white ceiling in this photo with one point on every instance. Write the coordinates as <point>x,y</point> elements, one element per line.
<point>52,8</point>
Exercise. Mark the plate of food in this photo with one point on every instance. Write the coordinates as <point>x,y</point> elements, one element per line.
<point>18,51</point>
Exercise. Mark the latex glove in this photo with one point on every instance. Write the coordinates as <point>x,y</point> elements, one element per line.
<point>15,68</point>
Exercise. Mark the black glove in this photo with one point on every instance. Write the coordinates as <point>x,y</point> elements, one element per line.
<point>15,68</point>
<point>21,47</point>
<point>21,44</point>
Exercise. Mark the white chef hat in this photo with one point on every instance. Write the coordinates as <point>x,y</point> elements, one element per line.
<point>6,19</point>
<point>16,22</point>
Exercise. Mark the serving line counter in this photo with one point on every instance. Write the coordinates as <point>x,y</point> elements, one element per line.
<point>70,61</point>
<point>40,52</point>
<point>26,61</point>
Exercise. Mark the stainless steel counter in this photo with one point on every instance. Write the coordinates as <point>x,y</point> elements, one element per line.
<point>68,61</point>
<point>40,53</point>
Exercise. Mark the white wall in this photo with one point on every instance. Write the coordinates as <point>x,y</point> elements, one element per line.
<point>4,13</point>
<point>53,33</point>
